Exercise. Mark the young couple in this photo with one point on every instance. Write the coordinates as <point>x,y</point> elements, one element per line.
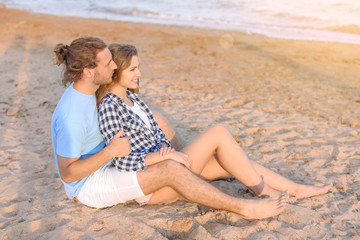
<point>110,149</point>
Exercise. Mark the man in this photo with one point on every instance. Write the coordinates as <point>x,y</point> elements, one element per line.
<point>78,145</point>
<point>83,159</point>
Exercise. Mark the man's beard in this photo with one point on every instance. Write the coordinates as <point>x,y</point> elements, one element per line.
<point>101,80</point>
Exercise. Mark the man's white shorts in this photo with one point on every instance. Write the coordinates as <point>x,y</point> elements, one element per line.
<point>108,186</point>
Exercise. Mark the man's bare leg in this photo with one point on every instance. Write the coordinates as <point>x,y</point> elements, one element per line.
<point>172,174</point>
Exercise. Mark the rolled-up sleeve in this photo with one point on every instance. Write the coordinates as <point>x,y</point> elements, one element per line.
<point>163,138</point>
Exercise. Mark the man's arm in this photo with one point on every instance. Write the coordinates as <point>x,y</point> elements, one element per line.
<point>73,169</point>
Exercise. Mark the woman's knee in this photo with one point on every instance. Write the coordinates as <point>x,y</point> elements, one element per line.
<point>218,129</point>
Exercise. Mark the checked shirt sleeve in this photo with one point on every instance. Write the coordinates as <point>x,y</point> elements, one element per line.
<point>162,136</point>
<point>110,123</point>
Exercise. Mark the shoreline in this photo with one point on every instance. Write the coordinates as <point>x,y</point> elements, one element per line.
<point>292,105</point>
<point>348,34</point>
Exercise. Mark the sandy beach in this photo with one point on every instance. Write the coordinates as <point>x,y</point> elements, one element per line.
<point>294,107</point>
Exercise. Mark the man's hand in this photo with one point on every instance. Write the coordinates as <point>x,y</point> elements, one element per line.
<point>119,145</point>
<point>180,157</point>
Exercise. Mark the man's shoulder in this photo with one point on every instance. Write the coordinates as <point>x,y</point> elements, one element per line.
<point>72,106</point>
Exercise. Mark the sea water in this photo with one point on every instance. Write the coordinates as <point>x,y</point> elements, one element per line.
<point>323,20</point>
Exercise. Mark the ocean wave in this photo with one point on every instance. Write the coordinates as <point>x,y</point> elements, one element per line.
<point>323,20</point>
<point>127,11</point>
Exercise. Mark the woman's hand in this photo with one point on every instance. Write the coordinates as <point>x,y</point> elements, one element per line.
<point>180,157</point>
<point>165,150</point>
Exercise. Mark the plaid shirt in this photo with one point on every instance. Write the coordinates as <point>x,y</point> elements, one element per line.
<point>115,116</point>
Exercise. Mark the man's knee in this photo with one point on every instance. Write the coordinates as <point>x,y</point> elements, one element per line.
<point>171,166</point>
<point>162,174</point>
<point>171,171</point>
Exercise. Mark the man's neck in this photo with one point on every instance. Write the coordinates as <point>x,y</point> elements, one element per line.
<point>85,88</point>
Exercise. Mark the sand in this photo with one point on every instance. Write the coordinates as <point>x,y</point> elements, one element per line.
<point>292,105</point>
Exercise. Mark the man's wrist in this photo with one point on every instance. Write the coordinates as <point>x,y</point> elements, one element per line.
<point>107,153</point>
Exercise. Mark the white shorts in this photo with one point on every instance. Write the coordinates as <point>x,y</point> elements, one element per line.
<point>108,186</point>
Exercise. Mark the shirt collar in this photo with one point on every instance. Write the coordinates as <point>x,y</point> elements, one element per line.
<point>116,98</point>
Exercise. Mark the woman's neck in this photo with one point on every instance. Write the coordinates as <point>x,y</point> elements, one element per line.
<point>121,93</point>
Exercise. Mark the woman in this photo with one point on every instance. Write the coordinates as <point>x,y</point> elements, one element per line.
<point>212,155</point>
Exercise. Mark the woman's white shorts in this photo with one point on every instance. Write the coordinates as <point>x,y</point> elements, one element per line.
<point>108,186</point>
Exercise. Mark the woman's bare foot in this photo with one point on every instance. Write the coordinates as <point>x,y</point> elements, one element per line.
<point>269,192</point>
<point>264,208</point>
<point>265,191</point>
<point>305,191</point>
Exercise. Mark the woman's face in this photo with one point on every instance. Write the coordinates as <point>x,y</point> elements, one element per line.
<point>129,77</point>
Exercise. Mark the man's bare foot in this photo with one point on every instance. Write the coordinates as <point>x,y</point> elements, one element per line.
<point>264,208</point>
<point>305,191</point>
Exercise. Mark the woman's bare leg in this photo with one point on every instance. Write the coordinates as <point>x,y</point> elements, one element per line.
<point>212,170</point>
<point>229,154</point>
<point>202,151</point>
<point>281,183</point>
<point>209,168</point>
<point>231,157</point>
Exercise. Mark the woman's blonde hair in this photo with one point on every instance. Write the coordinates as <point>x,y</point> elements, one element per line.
<point>122,54</point>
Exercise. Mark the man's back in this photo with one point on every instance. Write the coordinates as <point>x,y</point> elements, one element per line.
<point>75,129</point>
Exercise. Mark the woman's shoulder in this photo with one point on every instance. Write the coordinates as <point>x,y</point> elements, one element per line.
<point>131,94</point>
<point>108,101</point>
<point>136,98</point>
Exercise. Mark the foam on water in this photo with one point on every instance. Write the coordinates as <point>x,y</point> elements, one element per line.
<point>324,20</point>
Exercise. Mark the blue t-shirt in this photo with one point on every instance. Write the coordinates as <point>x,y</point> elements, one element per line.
<point>75,131</point>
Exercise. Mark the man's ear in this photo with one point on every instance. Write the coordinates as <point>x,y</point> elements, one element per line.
<point>89,72</point>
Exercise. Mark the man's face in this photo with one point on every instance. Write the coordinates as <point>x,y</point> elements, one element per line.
<point>105,67</point>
